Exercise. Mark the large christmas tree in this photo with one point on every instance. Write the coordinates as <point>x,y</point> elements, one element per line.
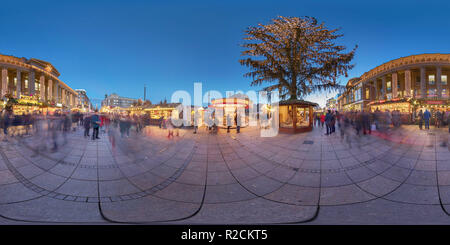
<point>297,55</point>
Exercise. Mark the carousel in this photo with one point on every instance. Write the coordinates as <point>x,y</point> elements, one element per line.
<point>230,107</point>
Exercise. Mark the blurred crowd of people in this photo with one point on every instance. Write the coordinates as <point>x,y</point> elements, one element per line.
<point>362,122</point>
<point>49,130</point>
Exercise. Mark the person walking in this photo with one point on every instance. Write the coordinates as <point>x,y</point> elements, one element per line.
<point>95,121</point>
<point>426,118</point>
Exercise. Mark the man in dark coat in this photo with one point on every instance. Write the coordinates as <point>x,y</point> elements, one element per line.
<point>87,125</point>
<point>328,119</point>
<point>426,118</point>
<point>95,121</point>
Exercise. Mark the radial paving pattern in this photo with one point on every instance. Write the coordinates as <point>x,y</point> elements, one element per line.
<point>403,177</point>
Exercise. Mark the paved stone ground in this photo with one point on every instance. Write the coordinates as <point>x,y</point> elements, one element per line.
<point>400,177</point>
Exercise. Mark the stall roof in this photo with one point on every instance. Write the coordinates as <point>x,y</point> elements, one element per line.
<point>297,102</point>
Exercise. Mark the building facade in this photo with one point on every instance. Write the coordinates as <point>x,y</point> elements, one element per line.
<point>114,100</point>
<point>331,104</point>
<point>83,100</point>
<point>32,77</point>
<point>407,84</point>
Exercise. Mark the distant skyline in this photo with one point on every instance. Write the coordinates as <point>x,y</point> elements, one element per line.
<point>118,47</point>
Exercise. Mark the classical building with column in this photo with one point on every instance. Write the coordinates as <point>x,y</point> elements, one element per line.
<point>33,77</point>
<point>407,84</point>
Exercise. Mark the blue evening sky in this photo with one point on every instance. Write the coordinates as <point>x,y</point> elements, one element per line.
<point>118,46</point>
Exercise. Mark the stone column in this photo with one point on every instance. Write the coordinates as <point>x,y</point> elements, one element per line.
<point>361,93</point>
<point>423,93</point>
<point>375,89</point>
<point>19,84</point>
<point>57,92</point>
<point>383,87</point>
<point>31,83</point>
<point>50,90</point>
<point>4,81</point>
<point>70,100</point>
<point>408,83</point>
<point>42,88</point>
<point>63,97</point>
<point>394,85</point>
<point>438,81</point>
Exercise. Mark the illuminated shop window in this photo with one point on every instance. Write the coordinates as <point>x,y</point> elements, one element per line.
<point>388,86</point>
<point>367,93</point>
<point>286,119</point>
<point>431,79</point>
<point>302,117</point>
<point>26,83</point>
<point>15,81</point>
<point>444,92</point>
<point>444,79</point>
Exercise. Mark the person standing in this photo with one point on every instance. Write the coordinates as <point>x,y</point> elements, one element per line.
<point>237,121</point>
<point>87,125</point>
<point>448,121</point>
<point>328,119</point>
<point>420,119</point>
<point>317,120</point>
<point>426,118</point>
<point>6,122</point>
<point>122,126</point>
<point>366,123</point>
<point>333,122</point>
<point>161,120</point>
<point>228,123</point>
<point>438,119</point>
<point>95,121</point>
<point>196,120</point>
<point>169,127</point>
<point>322,120</point>
<point>388,117</point>
<point>128,125</point>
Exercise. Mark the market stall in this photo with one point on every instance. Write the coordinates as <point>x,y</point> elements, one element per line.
<point>296,116</point>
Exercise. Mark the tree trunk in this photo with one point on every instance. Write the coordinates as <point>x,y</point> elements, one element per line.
<point>293,89</point>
